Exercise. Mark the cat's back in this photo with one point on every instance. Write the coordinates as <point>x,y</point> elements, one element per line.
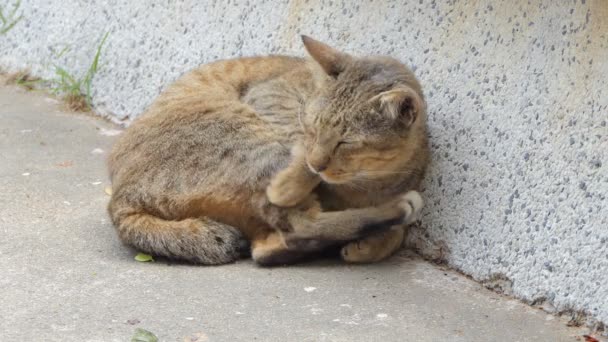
<point>201,107</point>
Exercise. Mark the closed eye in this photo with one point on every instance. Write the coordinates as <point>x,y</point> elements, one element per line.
<point>342,144</point>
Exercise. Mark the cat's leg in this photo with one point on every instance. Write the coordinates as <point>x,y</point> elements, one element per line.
<point>350,224</point>
<point>306,229</point>
<point>271,250</point>
<point>293,184</point>
<point>268,248</point>
<point>381,245</point>
<point>375,247</point>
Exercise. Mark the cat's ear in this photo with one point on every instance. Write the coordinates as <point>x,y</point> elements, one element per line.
<point>331,60</point>
<point>402,104</point>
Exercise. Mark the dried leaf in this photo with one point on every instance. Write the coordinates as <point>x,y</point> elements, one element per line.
<point>66,163</point>
<point>108,190</point>
<point>143,257</point>
<point>589,338</point>
<point>142,335</point>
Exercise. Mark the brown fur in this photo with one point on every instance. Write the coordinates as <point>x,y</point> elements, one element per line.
<point>240,150</point>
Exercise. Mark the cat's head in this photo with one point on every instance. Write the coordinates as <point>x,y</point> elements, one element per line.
<point>366,119</point>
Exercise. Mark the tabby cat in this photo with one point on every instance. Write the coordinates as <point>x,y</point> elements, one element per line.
<point>276,156</point>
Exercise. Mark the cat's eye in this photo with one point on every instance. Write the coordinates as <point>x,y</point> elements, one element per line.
<point>342,144</point>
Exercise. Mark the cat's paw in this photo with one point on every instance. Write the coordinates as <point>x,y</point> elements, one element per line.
<point>285,191</point>
<point>357,252</point>
<point>412,203</point>
<point>373,248</point>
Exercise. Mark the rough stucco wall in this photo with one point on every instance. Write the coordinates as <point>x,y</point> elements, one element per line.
<point>518,104</point>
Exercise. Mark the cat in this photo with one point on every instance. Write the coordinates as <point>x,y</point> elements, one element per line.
<point>275,157</point>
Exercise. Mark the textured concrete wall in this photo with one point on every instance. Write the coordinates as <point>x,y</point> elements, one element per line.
<point>518,101</point>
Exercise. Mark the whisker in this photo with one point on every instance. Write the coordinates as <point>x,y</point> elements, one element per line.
<point>354,186</point>
<point>362,180</point>
<point>387,172</point>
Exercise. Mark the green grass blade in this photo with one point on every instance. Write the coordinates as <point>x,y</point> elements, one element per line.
<point>93,69</point>
<point>2,18</point>
<point>64,75</point>
<point>29,83</point>
<point>11,25</point>
<point>9,20</point>
<point>62,52</point>
<point>15,8</point>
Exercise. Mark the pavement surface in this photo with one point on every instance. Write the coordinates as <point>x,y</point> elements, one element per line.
<point>64,276</point>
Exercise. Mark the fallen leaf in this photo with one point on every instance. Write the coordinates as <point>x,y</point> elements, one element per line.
<point>142,335</point>
<point>66,163</point>
<point>589,338</point>
<point>143,257</point>
<point>108,190</point>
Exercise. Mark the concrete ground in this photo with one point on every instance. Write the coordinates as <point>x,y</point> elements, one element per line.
<point>64,276</point>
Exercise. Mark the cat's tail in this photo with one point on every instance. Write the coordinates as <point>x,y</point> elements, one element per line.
<point>198,240</point>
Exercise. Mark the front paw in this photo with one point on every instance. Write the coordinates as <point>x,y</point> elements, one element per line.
<point>412,204</point>
<point>285,191</point>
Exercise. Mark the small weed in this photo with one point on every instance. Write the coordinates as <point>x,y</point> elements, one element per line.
<point>76,91</point>
<point>24,79</point>
<point>8,20</point>
<point>577,318</point>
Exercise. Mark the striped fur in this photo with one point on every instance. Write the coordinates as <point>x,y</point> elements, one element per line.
<point>191,176</point>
